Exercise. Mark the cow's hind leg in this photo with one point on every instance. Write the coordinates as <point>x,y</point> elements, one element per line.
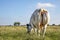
<point>38,31</point>
<point>43,31</point>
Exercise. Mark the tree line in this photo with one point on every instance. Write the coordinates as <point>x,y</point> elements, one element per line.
<point>18,24</point>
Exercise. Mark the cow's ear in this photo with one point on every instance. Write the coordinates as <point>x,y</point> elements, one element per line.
<point>27,24</point>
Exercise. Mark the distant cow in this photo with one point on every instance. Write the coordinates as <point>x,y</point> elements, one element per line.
<point>39,20</point>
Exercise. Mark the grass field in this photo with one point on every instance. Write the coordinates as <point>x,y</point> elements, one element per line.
<point>19,33</point>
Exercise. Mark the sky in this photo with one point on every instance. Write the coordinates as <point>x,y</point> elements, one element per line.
<point>21,10</point>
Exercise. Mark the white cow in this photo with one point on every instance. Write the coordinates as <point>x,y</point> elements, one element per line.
<point>39,20</point>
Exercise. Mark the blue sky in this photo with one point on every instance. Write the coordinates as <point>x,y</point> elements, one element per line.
<point>21,10</point>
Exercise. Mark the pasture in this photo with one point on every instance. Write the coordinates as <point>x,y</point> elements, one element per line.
<point>19,33</point>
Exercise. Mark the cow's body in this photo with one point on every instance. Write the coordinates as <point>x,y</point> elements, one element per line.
<point>39,21</point>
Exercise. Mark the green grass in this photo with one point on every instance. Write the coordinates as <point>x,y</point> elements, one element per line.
<point>19,33</point>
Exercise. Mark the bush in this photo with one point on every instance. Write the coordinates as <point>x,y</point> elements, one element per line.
<point>16,23</point>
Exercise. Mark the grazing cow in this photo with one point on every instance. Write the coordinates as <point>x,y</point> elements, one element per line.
<point>39,20</point>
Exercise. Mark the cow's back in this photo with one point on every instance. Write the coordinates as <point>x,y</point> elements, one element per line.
<point>36,19</point>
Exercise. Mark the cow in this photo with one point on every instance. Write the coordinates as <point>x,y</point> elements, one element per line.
<point>38,21</point>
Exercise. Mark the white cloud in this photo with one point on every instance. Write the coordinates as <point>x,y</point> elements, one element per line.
<point>45,5</point>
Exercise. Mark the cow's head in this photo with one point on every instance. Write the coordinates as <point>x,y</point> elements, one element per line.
<point>28,28</point>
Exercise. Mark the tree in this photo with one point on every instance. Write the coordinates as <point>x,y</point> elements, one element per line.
<point>53,24</point>
<point>16,23</point>
<point>58,24</point>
